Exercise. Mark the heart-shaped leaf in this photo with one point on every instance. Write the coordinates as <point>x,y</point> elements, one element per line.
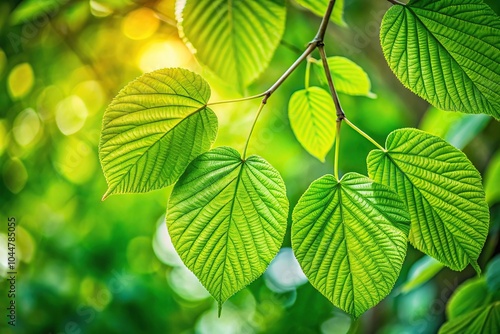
<point>443,192</point>
<point>227,218</point>
<point>153,129</point>
<point>350,237</point>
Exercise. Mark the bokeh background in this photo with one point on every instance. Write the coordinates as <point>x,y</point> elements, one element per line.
<point>87,266</point>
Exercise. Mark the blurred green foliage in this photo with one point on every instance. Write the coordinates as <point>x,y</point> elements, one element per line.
<point>87,266</point>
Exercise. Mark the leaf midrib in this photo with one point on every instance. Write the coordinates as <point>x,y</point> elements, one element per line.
<point>238,179</point>
<point>427,201</point>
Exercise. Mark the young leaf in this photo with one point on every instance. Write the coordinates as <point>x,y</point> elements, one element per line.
<point>227,218</point>
<point>318,7</point>
<point>350,237</point>
<point>312,118</point>
<point>153,129</point>
<point>349,78</point>
<point>234,39</point>
<point>469,296</point>
<point>482,320</point>
<point>447,52</point>
<point>443,192</point>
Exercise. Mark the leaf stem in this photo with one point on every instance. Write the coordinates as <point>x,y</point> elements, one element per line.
<point>259,111</point>
<point>333,91</point>
<point>337,149</point>
<point>317,42</point>
<point>308,73</point>
<point>358,130</point>
<point>247,98</point>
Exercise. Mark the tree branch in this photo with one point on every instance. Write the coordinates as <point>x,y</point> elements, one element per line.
<point>333,91</point>
<point>320,36</point>
<point>316,42</point>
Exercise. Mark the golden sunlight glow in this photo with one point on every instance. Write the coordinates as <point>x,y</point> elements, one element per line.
<point>140,24</point>
<point>162,54</point>
<point>21,80</point>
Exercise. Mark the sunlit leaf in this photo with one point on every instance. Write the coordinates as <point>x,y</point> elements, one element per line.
<point>153,129</point>
<point>350,237</point>
<point>227,218</point>
<point>420,272</point>
<point>469,296</point>
<point>235,39</point>
<point>443,192</point>
<point>482,320</point>
<point>319,7</point>
<point>348,77</point>
<point>446,52</point>
<point>312,118</point>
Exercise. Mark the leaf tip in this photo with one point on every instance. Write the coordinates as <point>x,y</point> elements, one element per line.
<point>106,194</point>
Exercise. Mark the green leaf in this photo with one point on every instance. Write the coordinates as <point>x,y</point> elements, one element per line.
<point>349,78</point>
<point>235,39</point>
<point>312,118</point>
<point>318,7</point>
<point>482,320</point>
<point>227,218</point>
<point>350,238</point>
<point>421,271</point>
<point>492,180</point>
<point>456,128</point>
<point>443,192</point>
<point>493,274</point>
<point>469,296</point>
<point>446,52</point>
<point>32,9</point>
<point>153,129</point>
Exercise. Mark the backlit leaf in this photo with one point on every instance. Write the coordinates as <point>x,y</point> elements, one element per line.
<point>235,39</point>
<point>348,77</point>
<point>350,238</point>
<point>443,192</point>
<point>227,218</point>
<point>153,129</point>
<point>447,52</point>
<point>312,118</point>
<point>319,7</point>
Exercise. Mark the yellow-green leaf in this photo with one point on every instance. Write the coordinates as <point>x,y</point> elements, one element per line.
<point>153,129</point>
<point>312,118</point>
<point>235,39</point>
